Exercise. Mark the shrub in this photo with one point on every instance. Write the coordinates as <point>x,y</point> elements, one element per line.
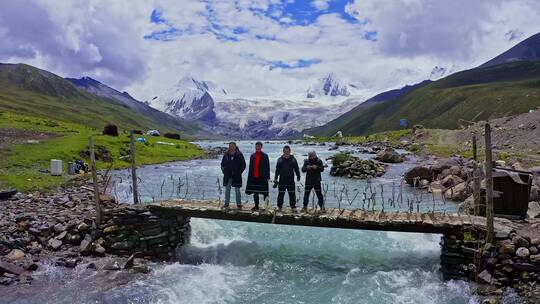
<point>111,130</point>
<point>172,135</point>
<point>339,158</point>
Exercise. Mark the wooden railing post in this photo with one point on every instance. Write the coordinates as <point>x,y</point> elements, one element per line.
<point>95,181</point>
<point>489,185</point>
<point>133,168</point>
<point>476,177</point>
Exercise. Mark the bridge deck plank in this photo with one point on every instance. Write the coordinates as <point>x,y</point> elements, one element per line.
<point>334,217</point>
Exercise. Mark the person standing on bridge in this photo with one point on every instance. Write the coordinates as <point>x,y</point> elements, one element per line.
<point>286,168</point>
<point>258,175</point>
<point>313,167</point>
<point>232,166</point>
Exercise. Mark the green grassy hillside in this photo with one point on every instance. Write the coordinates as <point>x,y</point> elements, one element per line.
<point>476,94</point>
<point>22,162</point>
<point>27,90</point>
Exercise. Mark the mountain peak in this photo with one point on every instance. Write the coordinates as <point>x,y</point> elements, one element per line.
<point>528,49</point>
<point>328,85</point>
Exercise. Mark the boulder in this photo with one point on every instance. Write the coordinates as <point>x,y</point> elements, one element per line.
<point>389,156</point>
<point>467,207</point>
<point>444,163</point>
<point>457,193</point>
<point>451,181</point>
<point>414,175</point>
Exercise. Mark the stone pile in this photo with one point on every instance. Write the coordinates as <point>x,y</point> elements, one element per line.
<point>60,228</point>
<point>514,260</point>
<point>130,230</point>
<point>451,176</point>
<point>357,168</point>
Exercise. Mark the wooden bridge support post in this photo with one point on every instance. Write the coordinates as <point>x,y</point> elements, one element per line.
<point>95,181</point>
<point>489,185</point>
<point>133,168</point>
<point>476,177</point>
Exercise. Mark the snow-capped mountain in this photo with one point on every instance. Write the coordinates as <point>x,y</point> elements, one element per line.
<point>189,99</point>
<point>328,86</point>
<point>255,117</point>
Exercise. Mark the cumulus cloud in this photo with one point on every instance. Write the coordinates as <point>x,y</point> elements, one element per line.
<point>260,47</point>
<point>321,4</point>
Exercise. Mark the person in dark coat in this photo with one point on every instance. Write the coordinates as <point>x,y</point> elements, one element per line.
<point>232,166</point>
<point>258,175</point>
<point>313,167</point>
<point>286,168</point>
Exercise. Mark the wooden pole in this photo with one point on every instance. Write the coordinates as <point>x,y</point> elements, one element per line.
<point>474,148</point>
<point>95,181</point>
<point>476,178</point>
<point>133,168</point>
<point>489,185</point>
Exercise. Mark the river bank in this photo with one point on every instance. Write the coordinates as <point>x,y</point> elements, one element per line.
<point>348,262</point>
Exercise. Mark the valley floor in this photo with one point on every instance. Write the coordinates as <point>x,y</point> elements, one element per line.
<point>27,144</point>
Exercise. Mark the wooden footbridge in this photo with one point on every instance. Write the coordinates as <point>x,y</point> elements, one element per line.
<point>442,223</point>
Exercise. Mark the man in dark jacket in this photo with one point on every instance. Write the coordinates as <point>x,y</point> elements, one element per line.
<point>258,175</point>
<point>313,167</point>
<point>286,168</point>
<point>232,166</point>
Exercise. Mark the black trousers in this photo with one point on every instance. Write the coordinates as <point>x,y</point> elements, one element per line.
<point>256,197</point>
<point>281,195</point>
<point>318,191</point>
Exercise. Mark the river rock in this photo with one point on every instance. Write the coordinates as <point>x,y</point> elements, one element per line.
<point>451,181</point>
<point>535,259</point>
<point>414,175</point>
<point>507,248</point>
<point>523,252</point>
<point>520,241</point>
<point>55,244</point>
<point>86,245</point>
<point>485,277</point>
<point>457,193</point>
<point>534,210</point>
<point>467,207</point>
<point>10,268</point>
<point>15,254</point>
<point>389,156</point>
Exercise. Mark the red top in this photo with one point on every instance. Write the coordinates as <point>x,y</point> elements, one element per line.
<point>257,162</point>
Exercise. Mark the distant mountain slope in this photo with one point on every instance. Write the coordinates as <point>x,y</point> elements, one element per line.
<point>528,49</point>
<point>29,90</point>
<point>97,88</point>
<point>346,121</point>
<point>476,94</point>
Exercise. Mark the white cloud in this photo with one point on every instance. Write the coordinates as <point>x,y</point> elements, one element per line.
<point>235,43</point>
<point>321,4</point>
